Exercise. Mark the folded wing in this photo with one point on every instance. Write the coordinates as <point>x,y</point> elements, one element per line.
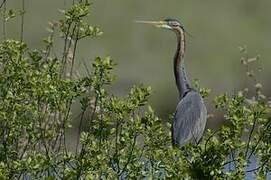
<point>189,120</point>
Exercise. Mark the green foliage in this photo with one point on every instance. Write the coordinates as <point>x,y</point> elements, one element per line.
<point>204,92</point>
<point>122,137</point>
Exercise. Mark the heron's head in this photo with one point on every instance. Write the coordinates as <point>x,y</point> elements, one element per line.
<point>169,23</point>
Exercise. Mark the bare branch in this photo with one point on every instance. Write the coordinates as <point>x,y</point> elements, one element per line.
<point>2,4</point>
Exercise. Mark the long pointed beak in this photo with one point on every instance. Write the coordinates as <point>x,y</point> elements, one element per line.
<point>159,24</point>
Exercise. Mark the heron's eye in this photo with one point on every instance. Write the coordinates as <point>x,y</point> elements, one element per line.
<point>174,24</point>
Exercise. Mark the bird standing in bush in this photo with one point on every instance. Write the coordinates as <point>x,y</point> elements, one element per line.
<point>191,114</point>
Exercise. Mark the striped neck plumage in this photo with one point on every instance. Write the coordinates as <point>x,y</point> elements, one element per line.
<point>182,81</point>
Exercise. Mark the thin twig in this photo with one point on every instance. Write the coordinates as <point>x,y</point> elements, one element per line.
<point>64,125</point>
<point>209,138</point>
<point>2,4</point>
<point>22,21</point>
<point>79,131</point>
<point>63,135</point>
<point>256,169</point>
<point>228,162</point>
<point>233,158</point>
<point>116,143</point>
<point>65,47</point>
<point>4,18</point>
<point>79,168</point>
<point>130,156</point>
<point>74,51</point>
<point>250,135</point>
<point>68,48</point>
<point>259,140</point>
<point>94,109</point>
<point>86,68</point>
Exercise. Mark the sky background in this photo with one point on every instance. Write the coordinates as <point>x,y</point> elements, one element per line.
<point>144,54</point>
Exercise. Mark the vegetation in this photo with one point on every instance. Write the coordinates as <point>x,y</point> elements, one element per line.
<point>118,137</point>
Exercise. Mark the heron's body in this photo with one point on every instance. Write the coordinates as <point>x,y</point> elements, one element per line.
<point>191,114</point>
<point>189,120</point>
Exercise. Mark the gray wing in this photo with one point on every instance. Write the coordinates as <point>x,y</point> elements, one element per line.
<point>189,120</point>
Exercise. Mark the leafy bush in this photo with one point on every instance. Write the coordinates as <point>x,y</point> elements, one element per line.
<point>122,137</point>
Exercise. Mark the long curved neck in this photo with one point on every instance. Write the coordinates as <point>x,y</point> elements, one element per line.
<point>182,81</point>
